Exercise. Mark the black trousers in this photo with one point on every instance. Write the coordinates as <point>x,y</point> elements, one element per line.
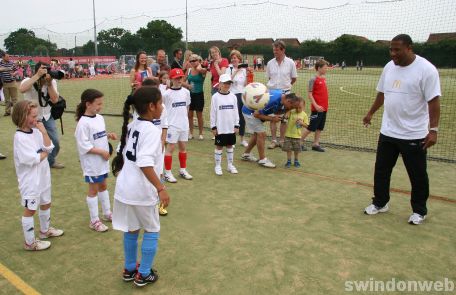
<point>414,158</point>
<point>240,104</point>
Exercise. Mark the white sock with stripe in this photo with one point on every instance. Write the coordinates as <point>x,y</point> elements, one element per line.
<point>230,156</point>
<point>29,230</point>
<point>218,157</point>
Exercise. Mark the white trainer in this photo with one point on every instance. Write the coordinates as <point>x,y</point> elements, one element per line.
<point>416,219</point>
<point>169,177</point>
<point>244,143</point>
<point>37,245</point>
<point>107,218</point>
<point>372,209</point>
<point>190,136</point>
<point>52,232</point>
<point>201,137</point>
<point>218,170</point>
<point>185,175</point>
<point>248,157</point>
<point>232,169</point>
<point>266,163</point>
<point>98,226</point>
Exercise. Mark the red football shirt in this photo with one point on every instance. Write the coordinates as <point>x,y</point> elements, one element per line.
<point>317,85</point>
<point>214,74</point>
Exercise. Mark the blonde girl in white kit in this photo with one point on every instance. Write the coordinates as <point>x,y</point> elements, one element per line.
<point>32,145</point>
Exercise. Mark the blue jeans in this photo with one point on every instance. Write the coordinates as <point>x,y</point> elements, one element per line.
<point>54,136</point>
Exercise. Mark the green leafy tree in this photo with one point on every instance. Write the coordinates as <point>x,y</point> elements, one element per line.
<point>22,41</point>
<point>159,34</point>
<point>110,41</point>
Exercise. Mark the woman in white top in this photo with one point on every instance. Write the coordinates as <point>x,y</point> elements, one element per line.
<point>238,74</point>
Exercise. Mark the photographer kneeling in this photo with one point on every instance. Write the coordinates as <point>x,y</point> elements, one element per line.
<point>41,88</point>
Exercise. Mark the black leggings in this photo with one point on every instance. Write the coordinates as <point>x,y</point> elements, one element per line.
<point>241,116</point>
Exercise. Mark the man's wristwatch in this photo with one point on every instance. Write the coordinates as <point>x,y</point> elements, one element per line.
<point>435,129</point>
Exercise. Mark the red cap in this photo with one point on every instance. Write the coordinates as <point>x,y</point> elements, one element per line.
<point>176,73</point>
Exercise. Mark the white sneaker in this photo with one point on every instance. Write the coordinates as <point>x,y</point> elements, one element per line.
<point>372,209</point>
<point>416,219</point>
<point>107,218</point>
<point>248,157</point>
<point>244,143</point>
<point>37,245</point>
<point>266,163</point>
<point>169,177</point>
<point>190,136</point>
<point>200,137</point>
<point>98,226</point>
<point>213,138</point>
<point>185,175</point>
<point>52,232</point>
<point>232,169</point>
<point>218,170</point>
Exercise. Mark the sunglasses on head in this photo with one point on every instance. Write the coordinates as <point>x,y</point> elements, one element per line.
<point>194,60</point>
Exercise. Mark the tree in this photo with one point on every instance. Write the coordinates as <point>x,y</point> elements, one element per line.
<point>159,34</point>
<point>22,41</point>
<point>25,42</point>
<point>110,41</point>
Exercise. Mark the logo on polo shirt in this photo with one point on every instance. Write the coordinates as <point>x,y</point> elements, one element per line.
<point>99,134</point>
<point>226,107</point>
<point>397,84</point>
<point>179,104</point>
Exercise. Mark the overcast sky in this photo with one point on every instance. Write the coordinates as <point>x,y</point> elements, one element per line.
<point>63,21</point>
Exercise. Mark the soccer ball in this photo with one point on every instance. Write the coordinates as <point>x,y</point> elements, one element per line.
<point>255,96</point>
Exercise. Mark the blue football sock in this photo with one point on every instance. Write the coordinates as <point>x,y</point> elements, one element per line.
<point>130,250</point>
<point>148,250</point>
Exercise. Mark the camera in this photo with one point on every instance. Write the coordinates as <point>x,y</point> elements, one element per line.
<point>58,75</point>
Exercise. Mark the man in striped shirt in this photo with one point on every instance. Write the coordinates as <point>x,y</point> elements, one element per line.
<point>7,72</point>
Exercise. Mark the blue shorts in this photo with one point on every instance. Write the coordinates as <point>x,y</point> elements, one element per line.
<point>96,179</point>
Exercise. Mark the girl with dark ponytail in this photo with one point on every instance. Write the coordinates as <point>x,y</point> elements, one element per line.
<point>93,148</point>
<point>138,165</point>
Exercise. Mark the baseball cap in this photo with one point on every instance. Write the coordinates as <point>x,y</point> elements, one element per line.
<point>176,73</point>
<point>225,78</point>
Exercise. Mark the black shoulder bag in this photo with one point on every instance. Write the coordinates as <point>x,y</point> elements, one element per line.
<point>57,108</point>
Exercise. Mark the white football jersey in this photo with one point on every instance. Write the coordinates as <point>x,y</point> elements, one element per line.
<point>33,176</point>
<point>177,102</point>
<point>91,133</point>
<point>224,113</point>
<point>142,149</point>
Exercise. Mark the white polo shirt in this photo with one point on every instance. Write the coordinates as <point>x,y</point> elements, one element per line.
<point>407,93</point>
<point>279,76</point>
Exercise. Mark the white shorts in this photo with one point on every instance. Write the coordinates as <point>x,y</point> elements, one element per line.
<point>174,136</point>
<point>131,218</point>
<point>253,124</point>
<point>32,203</point>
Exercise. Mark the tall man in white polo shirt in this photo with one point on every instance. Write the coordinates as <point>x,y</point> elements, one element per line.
<point>281,74</point>
<point>409,90</point>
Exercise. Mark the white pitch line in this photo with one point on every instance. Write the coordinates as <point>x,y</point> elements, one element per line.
<point>352,93</point>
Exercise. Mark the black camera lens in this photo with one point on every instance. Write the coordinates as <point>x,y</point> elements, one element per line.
<point>58,75</point>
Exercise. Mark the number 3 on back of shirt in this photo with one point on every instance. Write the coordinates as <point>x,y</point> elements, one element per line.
<point>131,153</point>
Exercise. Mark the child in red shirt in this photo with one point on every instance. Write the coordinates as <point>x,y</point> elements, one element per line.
<point>318,95</point>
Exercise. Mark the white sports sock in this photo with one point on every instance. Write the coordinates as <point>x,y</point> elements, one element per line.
<point>29,230</point>
<point>92,203</point>
<point>218,157</point>
<point>45,219</point>
<point>105,203</point>
<point>230,156</point>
